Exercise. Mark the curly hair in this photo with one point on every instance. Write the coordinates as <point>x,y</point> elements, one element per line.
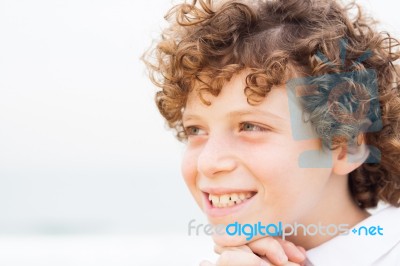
<point>271,38</point>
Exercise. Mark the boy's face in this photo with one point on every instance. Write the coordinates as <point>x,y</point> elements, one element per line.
<point>245,157</point>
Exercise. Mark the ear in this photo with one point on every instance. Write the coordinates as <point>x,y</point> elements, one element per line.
<point>346,160</point>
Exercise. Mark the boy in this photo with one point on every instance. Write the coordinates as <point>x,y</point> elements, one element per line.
<point>290,111</point>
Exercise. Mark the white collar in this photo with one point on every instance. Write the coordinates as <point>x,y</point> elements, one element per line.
<point>354,249</point>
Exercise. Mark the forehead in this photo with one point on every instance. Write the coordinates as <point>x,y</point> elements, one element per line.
<point>232,98</point>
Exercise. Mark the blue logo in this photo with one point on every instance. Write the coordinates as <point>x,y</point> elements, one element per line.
<point>368,231</point>
<point>346,102</point>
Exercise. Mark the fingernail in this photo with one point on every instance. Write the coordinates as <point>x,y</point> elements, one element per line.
<point>282,257</point>
<point>300,254</point>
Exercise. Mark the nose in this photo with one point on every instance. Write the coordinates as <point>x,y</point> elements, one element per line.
<point>217,157</point>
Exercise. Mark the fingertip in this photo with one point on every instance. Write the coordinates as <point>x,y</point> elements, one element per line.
<point>206,263</point>
<point>300,254</point>
<point>295,253</point>
<point>292,251</point>
<point>264,263</point>
<point>217,249</point>
<point>282,257</point>
<point>302,251</point>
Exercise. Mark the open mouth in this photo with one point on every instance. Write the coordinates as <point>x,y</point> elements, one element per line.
<point>230,199</point>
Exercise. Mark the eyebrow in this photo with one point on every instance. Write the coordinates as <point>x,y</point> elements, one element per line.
<point>254,111</point>
<point>236,113</point>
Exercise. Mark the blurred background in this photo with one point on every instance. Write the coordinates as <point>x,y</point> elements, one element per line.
<point>89,175</point>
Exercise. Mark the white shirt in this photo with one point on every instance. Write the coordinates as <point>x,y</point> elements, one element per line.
<point>363,250</point>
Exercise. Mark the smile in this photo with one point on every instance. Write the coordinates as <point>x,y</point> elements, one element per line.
<point>229,200</point>
<point>223,202</point>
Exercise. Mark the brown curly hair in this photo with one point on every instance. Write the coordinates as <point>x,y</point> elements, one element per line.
<point>271,38</point>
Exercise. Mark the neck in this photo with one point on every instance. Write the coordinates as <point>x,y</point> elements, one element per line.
<point>336,207</point>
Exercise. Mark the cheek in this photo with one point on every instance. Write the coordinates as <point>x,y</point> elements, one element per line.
<point>273,165</point>
<point>280,163</point>
<point>288,189</point>
<point>189,169</point>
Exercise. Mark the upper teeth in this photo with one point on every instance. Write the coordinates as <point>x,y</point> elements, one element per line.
<point>227,200</point>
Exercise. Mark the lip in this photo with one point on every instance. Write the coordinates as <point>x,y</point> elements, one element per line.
<point>212,211</point>
<point>221,191</point>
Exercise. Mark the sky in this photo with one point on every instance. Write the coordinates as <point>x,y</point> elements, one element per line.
<point>82,146</point>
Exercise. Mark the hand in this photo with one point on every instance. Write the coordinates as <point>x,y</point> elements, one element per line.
<point>266,251</point>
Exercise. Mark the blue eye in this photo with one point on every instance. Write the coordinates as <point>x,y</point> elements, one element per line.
<point>245,126</point>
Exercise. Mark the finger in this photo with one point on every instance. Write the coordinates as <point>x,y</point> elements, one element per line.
<point>239,258</point>
<point>303,250</point>
<point>289,263</point>
<point>206,263</point>
<point>270,248</point>
<point>294,253</point>
<point>219,249</point>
